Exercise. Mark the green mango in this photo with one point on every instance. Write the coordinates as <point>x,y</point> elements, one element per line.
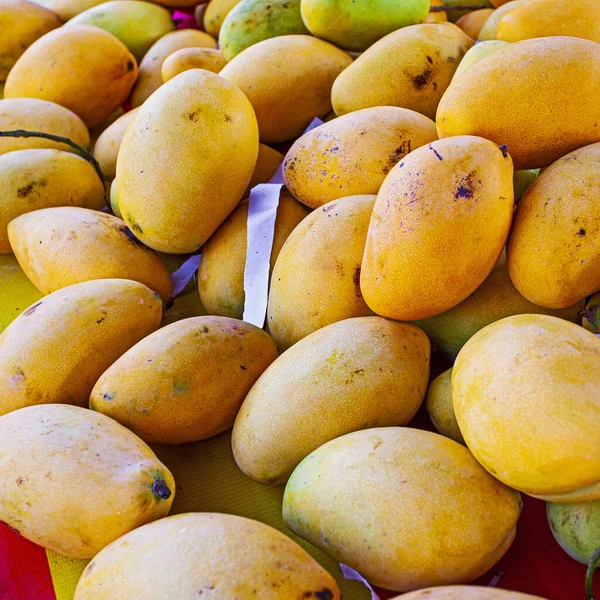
<point>522,179</point>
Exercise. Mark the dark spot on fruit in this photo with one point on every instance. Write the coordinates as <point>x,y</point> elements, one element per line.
<point>243,368</point>
<point>194,115</point>
<point>108,396</point>
<point>205,329</point>
<point>100,320</point>
<point>423,79</point>
<point>430,60</point>
<point>31,309</point>
<point>504,150</point>
<point>356,280</point>
<point>581,232</point>
<point>463,192</point>
<point>324,594</point>
<point>20,481</point>
<point>129,66</point>
<point>124,229</point>
<point>134,226</point>
<point>160,489</point>
<point>228,118</point>
<point>329,207</point>
<point>438,155</point>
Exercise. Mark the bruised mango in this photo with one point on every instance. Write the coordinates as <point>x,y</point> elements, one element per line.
<point>106,148</point>
<point>192,58</point>
<point>464,592</point>
<point>472,22</point>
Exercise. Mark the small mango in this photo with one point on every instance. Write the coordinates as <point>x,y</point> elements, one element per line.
<point>192,58</point>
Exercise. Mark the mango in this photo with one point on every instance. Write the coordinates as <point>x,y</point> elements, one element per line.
<point>97,130</point>
<point>38,115</point>
<point>223,261</point>
<point>522,180</point>
<point>34,179</point>
<point>465,522</point>
<point>524,391</point>
<point>352,155</point>
<point>495,299</point>
<point>67,9</point>
<point>186,381</point>
<point>439,407</point>
<point>150,75</point>
<point>214,15</point>
<point>409,68</point>
<point>288,81</point>
<point>21,23</point>
<point>77,480</point>
<point>55,351</point>
<point>357,25</point>
<point>80,67</point>
<point>472,22</point>
<point>201,551</point>
<point>114,201</point>
<point>502,109</point>
<point>316,278</point>
<point>355,374</point>
<point>192,58</point>
<point>267,163</point>
<point>591,314</point>
<point>464,592</point>
<point>553,250</point>
<point>436,17</point>
<point>476,53</point>
<point>13,278</point>
<point>200,125</point>
<point>489,30</point>
<point>542,18</point>
<point>439,225</point>
<point>457,13</point>
<point>136,23</point>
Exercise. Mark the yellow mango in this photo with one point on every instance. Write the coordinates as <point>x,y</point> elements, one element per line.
<point>192,58</point>
<point>204,128</point>
<point>150,75</point>
<point>439,225</point>
<point>405,508</point>
<point>476,53</point>
<point>525,394</point>
<point>542,18</point>
<point>355,374</point>
<point>288,81</point>
<point>436,17</point>
<point>267,163</point>
<point>67,9</point>
<point>34,179</point>
<point>464,592</point>
<point>215,13</point>
<point>75,480</point>
<point>56,350</point>
<point>60,246</point>
<point>200,551</point>
<point>13,278</point>
<point>185,382</point>
<point>221,272</point>
<point>114,201</point>
<point>21,23</point>
<point>439,407</point>
<point>106,148</point>
<point>32,114</point>
<point>97,130</point>
<point>316,278</point>
<point>409,68</point>
<point>521,111</point>
<point>83,68</point>
<point>489,30</point>
<point>472,22</point>
<point>352,155</point>
<point>554,250</point>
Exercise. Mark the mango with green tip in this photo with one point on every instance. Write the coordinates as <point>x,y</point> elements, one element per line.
<point>476,53</point>
<point>463,592</point>
<point>192,58</point>
<point>472,22</point>
<point>489,31</point>
<point>439,407</point>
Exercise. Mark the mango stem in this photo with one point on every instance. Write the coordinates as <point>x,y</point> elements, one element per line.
<point>449,8</point>
<point>161,489</point>
<point>589,576</point>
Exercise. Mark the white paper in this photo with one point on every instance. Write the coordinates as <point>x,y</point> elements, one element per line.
<point>353,575</point>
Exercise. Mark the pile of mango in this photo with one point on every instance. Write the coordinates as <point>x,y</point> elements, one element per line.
<point>443,220</point>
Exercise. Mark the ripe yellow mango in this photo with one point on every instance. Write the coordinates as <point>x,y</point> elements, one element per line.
<point>472,22</point>
<point>267,163</point>
<point>439,407</point>
<point>150,76</point>
<point>489,30</point>
<point>67,9</point>
<point>185,382</point>
<point>553,72</point>
<point>541,18</point>
<point>406,508</point>
<point>34,179</point>
<point>83,68</point>
<point>192,58</point>
<point>436,17</point>
<point>32,114</point>
<point>355,374</point>
<point>463,592</point>
<point>410,68</point>
<point>215,13</point>
<point>476,53</point>
<point>352,155</point>
<point>106,148</point>
<point>526,396</point>
<point>553,250</point>
<point>288,81</point>
<point>75,480</point>
<point>60,246</point>
<point>21,23</point>
<point>221,272</point>
<point>203,551</point>
<point>316,279</point>
<point>204,128</point>
<point>439,225</point>
<point>56,350</point>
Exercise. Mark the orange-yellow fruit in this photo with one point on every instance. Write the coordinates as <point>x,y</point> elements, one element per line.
<point>472,22</point>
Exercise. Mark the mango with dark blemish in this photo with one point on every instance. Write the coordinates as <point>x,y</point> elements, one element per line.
<point>465,592</point>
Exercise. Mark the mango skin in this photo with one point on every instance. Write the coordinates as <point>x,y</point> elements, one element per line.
<point>489,31</point>
<point>463,592</point>
<point>185,382</point>
<point>21,23</point>
<point>60,246</point>
<point>150,75</point>
<point>137,24</point>
<point>465,523</point>
<point>193,551</point>
<point>223,261</point>
<point>192,58</point>
<point>39,115</point>
<point>288,81</point>
<point>439,407</point>
<point>476,53</point>
<point>496,298</point>
<point>67,9</point>
<point>80,67</point>
<point>267,163</point>
<point>77,480</point>
<point>358,25</point>
<point>200,125</point>
<point>34,179</point>
<point>522,180</point>
<point>214,15</point>
<point>545,439</point>
<point>472,22</point>
<point>97,321</point>
<point>355,374</point>
<point>315,281</point>
<point>409,68</point>
<point>501,110</point>
<point>422,255</point>
<point>352,155</point>
<point>436,17</point>
<point>553,250</point>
